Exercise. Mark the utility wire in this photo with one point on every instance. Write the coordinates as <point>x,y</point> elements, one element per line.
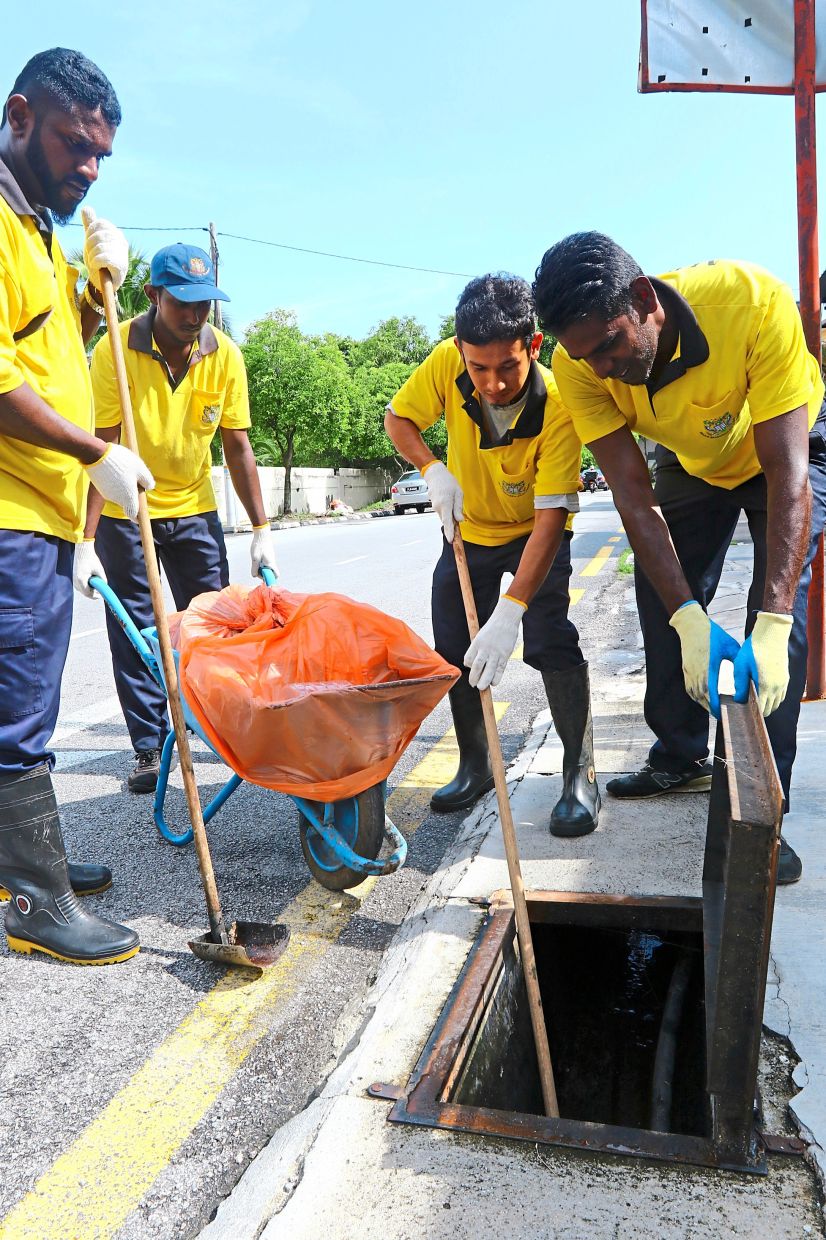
<point>296,249</point>
<point>349,258</point>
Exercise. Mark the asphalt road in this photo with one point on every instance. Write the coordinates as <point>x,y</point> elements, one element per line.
<point>135,1095</point>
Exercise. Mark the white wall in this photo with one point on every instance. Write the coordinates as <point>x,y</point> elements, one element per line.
<point>312,490</point>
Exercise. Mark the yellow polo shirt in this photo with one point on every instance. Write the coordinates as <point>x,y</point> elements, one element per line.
<point>741,360</point>
<point>539,454</point>
<point>40,345</point>
<point>175,423</point>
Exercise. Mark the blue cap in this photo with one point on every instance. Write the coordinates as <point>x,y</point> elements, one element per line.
<point>186,272</point>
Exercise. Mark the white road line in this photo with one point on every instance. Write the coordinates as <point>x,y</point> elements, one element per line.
<point>67,758</point>
<point>86,633</point>
<point>109,708</point>
<point>352,560</point>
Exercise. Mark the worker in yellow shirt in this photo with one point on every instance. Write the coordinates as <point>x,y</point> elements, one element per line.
<point>711,363</point>
<point>511,484</point>
<point>186,381</point>
<point>58,124</point>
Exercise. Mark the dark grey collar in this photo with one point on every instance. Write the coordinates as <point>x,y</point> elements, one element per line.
<point>694,348</point>
<point>14,196</point>
<point>140,340</point>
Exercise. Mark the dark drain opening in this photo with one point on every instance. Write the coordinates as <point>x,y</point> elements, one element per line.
<point>653,1003</point>
<point>626,1026</point>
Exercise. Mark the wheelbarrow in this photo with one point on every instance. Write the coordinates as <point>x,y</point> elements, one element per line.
<point>340,840</point>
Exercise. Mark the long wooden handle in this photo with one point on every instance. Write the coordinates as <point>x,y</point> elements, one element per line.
<point>216,917</point>
<point>520,907</point>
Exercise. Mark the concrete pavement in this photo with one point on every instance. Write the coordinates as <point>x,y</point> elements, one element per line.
<point>339,1170</point>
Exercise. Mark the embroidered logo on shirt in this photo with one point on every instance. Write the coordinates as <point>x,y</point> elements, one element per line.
<point>210,414</point>
<point>515,488</point>
<point>715,427</point>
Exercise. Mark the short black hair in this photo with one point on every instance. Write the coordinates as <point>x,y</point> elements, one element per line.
<point>584,274</point>
<point>496,306</point>
<point>69,79</point>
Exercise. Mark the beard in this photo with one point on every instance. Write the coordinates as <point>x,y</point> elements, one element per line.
<point>53,192</point>
<point>639,371</point>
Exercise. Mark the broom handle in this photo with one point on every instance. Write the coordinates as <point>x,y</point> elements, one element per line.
<point>520,907</point>
<point>216,917</point>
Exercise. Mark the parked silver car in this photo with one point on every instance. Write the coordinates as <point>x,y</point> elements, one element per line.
<point>410,492</point>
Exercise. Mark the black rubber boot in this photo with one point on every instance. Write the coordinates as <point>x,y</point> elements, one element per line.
<point>84,880</point>
<point>474,777</point>
<point>569,697</point>
<point>44,914</point>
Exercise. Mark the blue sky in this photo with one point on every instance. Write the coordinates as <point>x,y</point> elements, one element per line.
<point>452,136</point>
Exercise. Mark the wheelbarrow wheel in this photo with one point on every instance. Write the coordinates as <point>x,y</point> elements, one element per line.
<point>360,821</point>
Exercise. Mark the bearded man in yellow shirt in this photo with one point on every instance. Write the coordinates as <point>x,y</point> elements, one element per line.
<point>58,124</point>
<point>711,363</point>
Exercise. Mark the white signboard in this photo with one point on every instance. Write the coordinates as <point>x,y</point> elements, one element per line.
<point>732,45</point>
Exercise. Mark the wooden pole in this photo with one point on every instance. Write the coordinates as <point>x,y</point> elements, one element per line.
<point>217,313</point>
<point>520,907</point>
<point>216,918</point>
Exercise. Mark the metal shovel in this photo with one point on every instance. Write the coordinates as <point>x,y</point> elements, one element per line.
<point>246,944</point>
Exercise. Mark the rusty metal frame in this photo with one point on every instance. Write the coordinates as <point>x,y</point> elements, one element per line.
<point>734,915</point>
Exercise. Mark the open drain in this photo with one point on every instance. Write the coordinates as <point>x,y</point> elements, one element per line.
<point>653,1004</point>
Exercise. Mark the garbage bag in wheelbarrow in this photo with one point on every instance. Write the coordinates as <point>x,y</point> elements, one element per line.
<point>315,695</point>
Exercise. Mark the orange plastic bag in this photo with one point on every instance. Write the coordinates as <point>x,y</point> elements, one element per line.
<point>311,694</point>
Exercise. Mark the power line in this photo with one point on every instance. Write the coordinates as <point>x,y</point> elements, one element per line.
<point>148,228</point>
<point>349,258</point>
<point>296,249</point>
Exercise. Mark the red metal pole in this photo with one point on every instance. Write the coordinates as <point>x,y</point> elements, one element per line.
<point>805,136</point>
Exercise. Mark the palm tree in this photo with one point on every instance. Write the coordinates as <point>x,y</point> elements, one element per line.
<point>131,298</point>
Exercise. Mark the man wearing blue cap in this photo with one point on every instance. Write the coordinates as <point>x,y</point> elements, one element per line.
<point>186,380</point>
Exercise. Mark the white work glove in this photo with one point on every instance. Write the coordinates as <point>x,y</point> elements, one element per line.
<point>104,246</point>
<point>117,475</point>
<point>262,552</point>
<point>86,565</point>
<point>445,495</point>
<point>487,655</point>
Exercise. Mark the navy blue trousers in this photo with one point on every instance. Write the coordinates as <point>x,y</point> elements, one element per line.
<point>701,519</point>
<point>193,555</point>
<point>35,626</point>
<point>551,642</point>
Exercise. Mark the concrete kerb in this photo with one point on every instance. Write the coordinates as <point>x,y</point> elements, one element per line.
<point>293,523</point>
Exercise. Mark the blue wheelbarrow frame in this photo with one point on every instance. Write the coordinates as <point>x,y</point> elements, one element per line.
<point>329,833</point>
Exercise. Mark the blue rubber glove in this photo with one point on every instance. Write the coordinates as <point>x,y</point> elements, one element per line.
<point>764,661</point>
<point>704,646</point>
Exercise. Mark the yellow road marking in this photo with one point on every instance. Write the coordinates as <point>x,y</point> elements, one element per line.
<point>616,538</point>
<point>597,563</point>
<point>94,1185</point>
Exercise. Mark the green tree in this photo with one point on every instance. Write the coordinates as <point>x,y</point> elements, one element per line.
<point>447,326</point>
<point>299,394</point>
<point>394,340</point>
<point>546,350</point>
<point>372,389</point>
